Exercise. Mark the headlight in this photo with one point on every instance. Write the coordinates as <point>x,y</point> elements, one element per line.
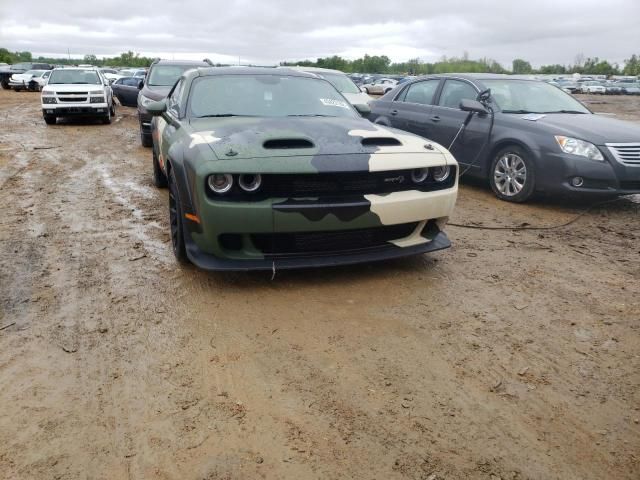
<point>250,182</point>
<point>219,183</point>
<point>419,175</point>
<point>579,147</point>
<point>440,174</point>
<point>145,101</point>
<point>49,100</point>
<point>97,99</point>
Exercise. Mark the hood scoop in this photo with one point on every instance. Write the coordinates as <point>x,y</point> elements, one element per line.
<point>381,142</point>
<point>287,143</point>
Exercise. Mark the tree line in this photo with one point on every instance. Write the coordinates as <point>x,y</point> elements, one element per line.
<point>382,64</point>
<point>378,64</point>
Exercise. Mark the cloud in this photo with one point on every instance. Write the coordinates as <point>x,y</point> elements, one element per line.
<point>269,31</point>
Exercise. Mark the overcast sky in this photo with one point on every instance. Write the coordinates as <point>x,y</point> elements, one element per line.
<point>269,31</point>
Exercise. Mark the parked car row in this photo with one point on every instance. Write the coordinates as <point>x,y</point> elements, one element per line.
<point>597,87</point>
<point>277,168</point>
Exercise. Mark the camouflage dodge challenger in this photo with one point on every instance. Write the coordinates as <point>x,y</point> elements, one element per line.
<point>273,168</point>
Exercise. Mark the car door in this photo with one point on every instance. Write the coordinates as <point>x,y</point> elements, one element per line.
<point>126,89</point>
<point>168,123</point>
<point>411,109</point>
<point>446,119</point>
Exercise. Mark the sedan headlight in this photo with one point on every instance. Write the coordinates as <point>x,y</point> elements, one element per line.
<point>145,101</point>
<point>579,147</point>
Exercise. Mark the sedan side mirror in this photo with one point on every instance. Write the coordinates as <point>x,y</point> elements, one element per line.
<point>363,109</point>
<point>140,85</point>
<point>474,106</point>
<point>157,108</point>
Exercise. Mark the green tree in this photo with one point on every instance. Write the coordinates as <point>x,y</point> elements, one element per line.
<point>521,66</point>
<point>91,59</point>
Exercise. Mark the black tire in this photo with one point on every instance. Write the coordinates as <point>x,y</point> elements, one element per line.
<point>107,118</point>
<point>176,222</point>
<point>113,108</point>
<point>50,119</point>
<point>146,139</point>
<point>506,169</point>
<point>5,85</point>
<point>159,178</point>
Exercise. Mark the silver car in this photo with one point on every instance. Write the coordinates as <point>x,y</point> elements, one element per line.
<point>379,86</point>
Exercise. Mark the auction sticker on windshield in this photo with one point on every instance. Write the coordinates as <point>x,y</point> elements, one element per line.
<point>330,102</point>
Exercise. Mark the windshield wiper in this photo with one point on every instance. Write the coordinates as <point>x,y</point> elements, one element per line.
<point>519,111</point>
<point>566,111</point>
<point>311,115</point>
<point>224,115</point>
<point>80,83</point>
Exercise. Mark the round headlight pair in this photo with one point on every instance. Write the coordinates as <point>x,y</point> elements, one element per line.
<point>221,183</point>
<point>440,174</point>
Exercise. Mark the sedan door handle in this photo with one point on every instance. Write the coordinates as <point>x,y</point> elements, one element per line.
<point>435,119</point>
<point>393,112</point>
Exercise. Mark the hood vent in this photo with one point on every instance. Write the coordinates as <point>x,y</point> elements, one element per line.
<point>285,143</point>
<point>381,142</point>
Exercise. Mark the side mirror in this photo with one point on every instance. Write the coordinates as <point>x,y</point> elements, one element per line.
<point>157,108</point>
<point>140,84</point>
<point>474,106</point>
<point>363,109</point>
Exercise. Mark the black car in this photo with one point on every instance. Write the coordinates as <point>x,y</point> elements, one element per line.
<point>526,136</point>
<point>126,90</point>
<point>162,75</point>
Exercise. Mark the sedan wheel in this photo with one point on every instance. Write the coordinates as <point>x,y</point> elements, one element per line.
<point>512,175</point>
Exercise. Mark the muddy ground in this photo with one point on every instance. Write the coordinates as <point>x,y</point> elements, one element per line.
<point>512,355</point>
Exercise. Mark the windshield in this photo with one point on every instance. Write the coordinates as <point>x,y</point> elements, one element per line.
<point>166,75</point>
<point>33,72</point>
<point>266,96</point>
<point>343,83</point>
<point>525,96</point>
<point>75,77</point>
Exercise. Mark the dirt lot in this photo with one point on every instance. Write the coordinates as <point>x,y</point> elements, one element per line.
<point>512,355</point>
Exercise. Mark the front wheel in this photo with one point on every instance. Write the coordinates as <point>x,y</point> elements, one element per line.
<point>107,119</point>
<point>159,178</point>
<point>512,175</point>
<point>175,222</point>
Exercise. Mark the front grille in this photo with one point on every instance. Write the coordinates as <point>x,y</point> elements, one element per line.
<point>72,99</point>
<point>310,243</point>
<point>338,184</point>
<point>626,153</point>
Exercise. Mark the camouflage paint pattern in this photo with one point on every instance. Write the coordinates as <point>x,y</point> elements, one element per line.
<point>235,145</point>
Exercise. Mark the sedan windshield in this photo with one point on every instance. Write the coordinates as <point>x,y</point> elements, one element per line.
<point>525,96</point>
<point>343,83</point>
<point>265,95</point>
<point>74,77</point>
<point>166,75</point>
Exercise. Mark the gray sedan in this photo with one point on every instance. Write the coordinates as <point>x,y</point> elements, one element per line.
<point>524,136</point>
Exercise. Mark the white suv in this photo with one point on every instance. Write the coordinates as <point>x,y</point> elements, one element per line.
<point>77,92</point>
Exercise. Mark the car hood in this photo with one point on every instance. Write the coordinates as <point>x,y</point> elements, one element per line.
<point>326,137</point>
<point>597,129</point>
<point>155,93</point>
<point>73,87</point>
<point>21,76</point>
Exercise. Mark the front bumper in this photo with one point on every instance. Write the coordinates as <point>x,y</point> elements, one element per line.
<point>82,109</point>
<point>296,233</point>
<point>145,120</point>
<point>608,177</point>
